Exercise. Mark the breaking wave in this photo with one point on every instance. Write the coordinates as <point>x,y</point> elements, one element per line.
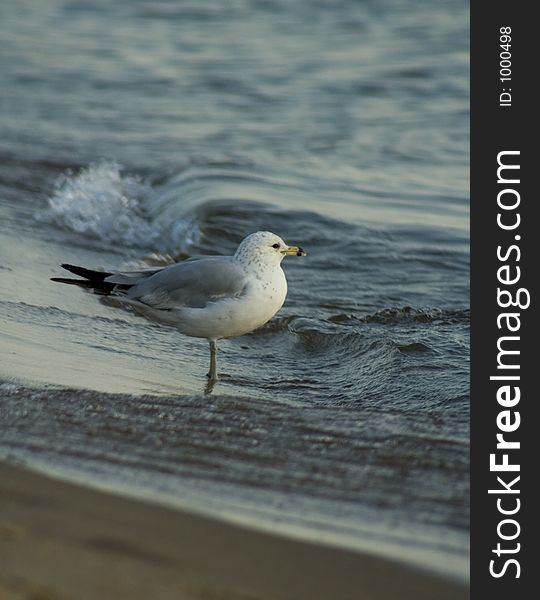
<point>103,203</point>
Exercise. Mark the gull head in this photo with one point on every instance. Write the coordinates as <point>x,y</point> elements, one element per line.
<point>265,250</point>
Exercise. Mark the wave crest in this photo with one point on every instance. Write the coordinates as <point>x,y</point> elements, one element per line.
<point>103,203</point>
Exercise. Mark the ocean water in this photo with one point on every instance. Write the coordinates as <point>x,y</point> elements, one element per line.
<point>135,132</point>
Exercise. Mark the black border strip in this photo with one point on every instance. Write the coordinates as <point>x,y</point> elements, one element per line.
<point>494,129</point>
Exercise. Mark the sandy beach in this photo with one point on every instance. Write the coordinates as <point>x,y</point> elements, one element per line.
<point>63,541</point>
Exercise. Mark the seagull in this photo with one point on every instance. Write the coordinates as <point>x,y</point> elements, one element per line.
<point>211,297</point>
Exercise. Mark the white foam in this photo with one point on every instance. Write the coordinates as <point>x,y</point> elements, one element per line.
<point>103,203</point>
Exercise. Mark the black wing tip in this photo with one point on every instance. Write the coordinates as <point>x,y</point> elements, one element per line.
<point>75,269</point>
<point>93,280</point>
<point>81,282</point>
<point>70,267</point>
<point>91,274</point>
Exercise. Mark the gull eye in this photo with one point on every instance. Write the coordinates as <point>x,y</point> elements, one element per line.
<point>276,246</point>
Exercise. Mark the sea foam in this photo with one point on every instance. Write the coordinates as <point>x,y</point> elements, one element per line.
<point>104,203</point>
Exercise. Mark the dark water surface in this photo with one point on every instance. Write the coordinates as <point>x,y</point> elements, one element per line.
<point>130,131</point>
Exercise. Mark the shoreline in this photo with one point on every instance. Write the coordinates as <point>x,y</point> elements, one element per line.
<point>61,540</point>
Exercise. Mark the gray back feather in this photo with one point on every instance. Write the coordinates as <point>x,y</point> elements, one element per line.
<point>192,283</point>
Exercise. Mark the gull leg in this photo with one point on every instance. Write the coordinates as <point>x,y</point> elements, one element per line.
<point>212,374</point>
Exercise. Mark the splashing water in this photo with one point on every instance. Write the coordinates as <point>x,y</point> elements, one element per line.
<point>101,202</point>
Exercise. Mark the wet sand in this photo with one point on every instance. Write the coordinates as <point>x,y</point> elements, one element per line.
<point>64,541</point>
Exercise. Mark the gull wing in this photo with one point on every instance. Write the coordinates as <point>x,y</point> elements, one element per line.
<point>192,283</point>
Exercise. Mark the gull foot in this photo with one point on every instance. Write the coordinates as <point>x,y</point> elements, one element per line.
<point>209,387</point>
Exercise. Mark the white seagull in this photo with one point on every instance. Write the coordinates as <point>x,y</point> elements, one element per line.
<point>210,297</point>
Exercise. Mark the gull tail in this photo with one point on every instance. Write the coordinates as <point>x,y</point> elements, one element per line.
<point>93,280</point>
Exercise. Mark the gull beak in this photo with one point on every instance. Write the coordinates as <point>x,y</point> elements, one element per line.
<point>294,251</point>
